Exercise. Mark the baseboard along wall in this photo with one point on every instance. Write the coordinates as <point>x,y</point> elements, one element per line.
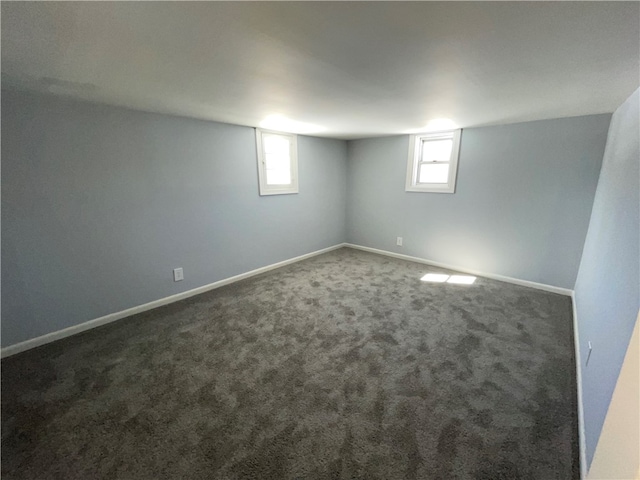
<point>493,276</point>
<point>581,432</point>
<point>112,317</point>
<point>525,283</point>
<point>67,332</point>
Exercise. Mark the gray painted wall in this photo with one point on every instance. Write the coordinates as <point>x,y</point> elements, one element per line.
<point>608,286</point>
<point>99,204</point>
<point>521,208</point>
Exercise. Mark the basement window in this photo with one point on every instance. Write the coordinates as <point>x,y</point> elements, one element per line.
<point>277,162</point>
<point>433,162</point>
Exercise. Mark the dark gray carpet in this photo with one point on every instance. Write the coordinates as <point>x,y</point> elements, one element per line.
<point>343,366</point>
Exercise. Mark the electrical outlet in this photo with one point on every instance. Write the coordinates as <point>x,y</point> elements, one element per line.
<point>178,274</point>
<point>399,241</point>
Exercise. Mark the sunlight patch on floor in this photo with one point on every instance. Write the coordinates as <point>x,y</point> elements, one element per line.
<point>443,277</point>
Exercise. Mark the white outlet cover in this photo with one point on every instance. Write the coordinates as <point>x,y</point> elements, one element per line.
<point>399,241</point>
<point>178,274</point>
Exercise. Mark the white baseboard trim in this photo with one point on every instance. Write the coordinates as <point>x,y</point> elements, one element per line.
<point>525,283</point>
<point>493,276</point>
<point>112,317</point>
<point>582,442</point>
<point>67,332</point>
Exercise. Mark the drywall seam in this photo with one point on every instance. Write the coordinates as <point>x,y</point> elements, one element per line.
<point>516,281</point>
<point>582,442</point>
<point>112,317</point>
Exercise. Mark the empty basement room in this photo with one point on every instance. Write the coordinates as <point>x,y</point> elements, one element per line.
<point>320,240</point>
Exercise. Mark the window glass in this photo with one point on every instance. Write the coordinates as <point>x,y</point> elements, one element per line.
<point>433,162</point>
<point>436,150</point>
<point>277,162</point>
<point>434,173</point>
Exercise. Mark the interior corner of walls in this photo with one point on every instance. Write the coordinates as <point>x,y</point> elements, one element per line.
<point>112,317</point>
<point>502,278</point>
<point>171,227</point>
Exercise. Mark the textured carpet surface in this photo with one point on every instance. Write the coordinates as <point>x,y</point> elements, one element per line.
<point>342,366</point>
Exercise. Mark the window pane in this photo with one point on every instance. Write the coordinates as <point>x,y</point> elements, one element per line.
<point>436,150</point>
<point>277,159</point>
<point>433,173</point>
<point>279,177</point>
<point>277,162</point>
<point>275,144</point>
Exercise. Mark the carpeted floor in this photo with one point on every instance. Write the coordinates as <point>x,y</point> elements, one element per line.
<point>342,366</point>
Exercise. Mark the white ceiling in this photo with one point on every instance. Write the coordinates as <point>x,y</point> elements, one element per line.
<point>347,69</point>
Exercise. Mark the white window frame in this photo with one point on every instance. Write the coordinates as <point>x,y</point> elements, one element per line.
<point>415,160</point>
<point>266,189</point>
